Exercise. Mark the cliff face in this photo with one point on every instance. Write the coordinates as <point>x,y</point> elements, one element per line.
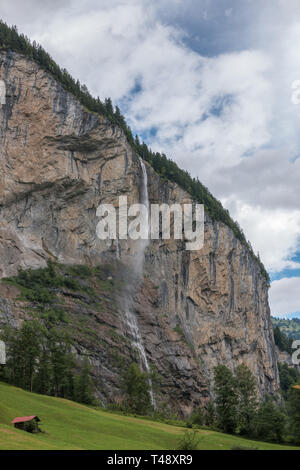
<point>194,310</point>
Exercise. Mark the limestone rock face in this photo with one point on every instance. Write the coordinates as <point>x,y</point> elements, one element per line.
<point>195,309</point>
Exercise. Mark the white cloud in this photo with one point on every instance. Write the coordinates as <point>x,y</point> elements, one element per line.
<point>215,105</point>
<point>272,232</point>
<point>270,178</point>
<point>284,296</point>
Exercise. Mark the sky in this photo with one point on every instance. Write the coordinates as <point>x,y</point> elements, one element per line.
<point>213,84</point>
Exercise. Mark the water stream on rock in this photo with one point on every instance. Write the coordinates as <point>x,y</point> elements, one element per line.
<point>130,315</point>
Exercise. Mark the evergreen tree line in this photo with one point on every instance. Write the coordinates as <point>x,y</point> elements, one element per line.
<point>10,39</point>
<point>235,409</point>
<point>289,327</point>
<point>282,341</point>
<point>288,376</point>
<point>41,361</point>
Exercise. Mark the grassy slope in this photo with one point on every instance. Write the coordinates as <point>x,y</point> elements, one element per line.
<point>69,425</point>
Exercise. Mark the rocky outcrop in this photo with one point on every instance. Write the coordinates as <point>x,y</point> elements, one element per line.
<point>58,162</point>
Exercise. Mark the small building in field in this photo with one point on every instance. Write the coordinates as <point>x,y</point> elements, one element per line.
<point>27,423</point>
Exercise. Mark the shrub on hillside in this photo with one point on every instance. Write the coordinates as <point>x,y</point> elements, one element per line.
<point>188,441</point>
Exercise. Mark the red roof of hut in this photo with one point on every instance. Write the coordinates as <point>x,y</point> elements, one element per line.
<point>23,419</point>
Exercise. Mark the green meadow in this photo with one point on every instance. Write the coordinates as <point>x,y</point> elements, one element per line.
<point>69,425</point>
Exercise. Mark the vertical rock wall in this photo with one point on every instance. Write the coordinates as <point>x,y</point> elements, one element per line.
<point>58,162</point>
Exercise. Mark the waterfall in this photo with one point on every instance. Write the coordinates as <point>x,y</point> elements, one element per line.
<point>141,244</point>
<point>137,342</point>
<point>144,192</point>
<point>130,316</point>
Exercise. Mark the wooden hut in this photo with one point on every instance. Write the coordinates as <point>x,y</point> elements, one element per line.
<point>27,423</point>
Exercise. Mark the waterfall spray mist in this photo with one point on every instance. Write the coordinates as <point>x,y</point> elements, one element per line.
<point>139,258</point>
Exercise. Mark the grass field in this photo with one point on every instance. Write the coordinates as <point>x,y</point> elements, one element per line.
<point>69,425</point>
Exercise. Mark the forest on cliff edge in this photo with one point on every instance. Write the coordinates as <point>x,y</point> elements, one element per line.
<point>290,328</point>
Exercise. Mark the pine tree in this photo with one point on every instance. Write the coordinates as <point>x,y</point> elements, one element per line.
<point>197,416</point>
<point>282,341</point>
<point>84,385</point>
<point>288,376</point>
<point>44,377</point>
<point>119,118</point>
<point>136,388</point>
<point>270,421</point>
<point>210,414</point>
<point>109,107</point>
<point>62,364</point>
<point>24,353</point>
<point>247,402</point>
<point>294,413</point>
<point>226,399</point>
